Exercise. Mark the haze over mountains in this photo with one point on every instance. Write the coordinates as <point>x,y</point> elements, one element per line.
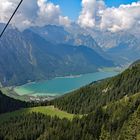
<point>51,51</point>
<point>28,56</point>
<point>121,46</point>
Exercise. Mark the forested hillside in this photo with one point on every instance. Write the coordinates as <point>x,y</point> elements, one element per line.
<point>117,121</point>
<point>110,111</point>
<point>8,104</point>
<point>101,93</point>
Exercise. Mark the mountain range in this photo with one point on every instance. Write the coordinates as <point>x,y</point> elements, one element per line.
<point>122,47</point>
<point>113,43</point>
<point>29,56</point>
<point>52,51</point>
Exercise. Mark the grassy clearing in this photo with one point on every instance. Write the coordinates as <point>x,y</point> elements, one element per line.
<point>110,69</point>
<point>51,111</point>
<point>9,91</point>
<point>46,110</point>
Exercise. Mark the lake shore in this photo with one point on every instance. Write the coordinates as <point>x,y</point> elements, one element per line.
<point>61,85</point>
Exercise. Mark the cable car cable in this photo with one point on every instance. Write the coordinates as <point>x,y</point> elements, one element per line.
<point>10,19</point>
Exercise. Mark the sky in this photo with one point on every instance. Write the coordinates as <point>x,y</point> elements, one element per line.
<point>72,8</point>
<point>117,3</point>
<point>110,15</point>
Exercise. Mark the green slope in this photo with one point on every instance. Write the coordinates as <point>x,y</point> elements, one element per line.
<point>112,107</point>
<point>120,112</point>
<point>8,104</point>
<point>46,110</point>
<point>131,128</point>
<point>119,120</point>
<point>88,98</point>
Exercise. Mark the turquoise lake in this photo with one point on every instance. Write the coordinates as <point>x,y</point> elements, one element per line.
<point>61,85</point>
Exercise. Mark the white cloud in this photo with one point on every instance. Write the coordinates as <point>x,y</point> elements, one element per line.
<point>4,8</point>
<point>122,18</point>
<point>64,21</point>
<point>96,15</point>
<point>89,13</point>
<point>50,14</point>
<point>32,12</point>
<point>87,17</point>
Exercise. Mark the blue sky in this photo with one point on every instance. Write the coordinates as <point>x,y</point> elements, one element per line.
<point>116,3</point>
<point>72,8</point>
<point>45,12</point>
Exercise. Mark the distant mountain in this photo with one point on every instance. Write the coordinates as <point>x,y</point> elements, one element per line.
<point>86,40</point>
<point>123,46</point>
<point>15,59</point>
<point>127,48</point>
<point>1,27</point>
<point>71,54</point>
<point>26,56</point>
<point>59,35</point>
<point>51,33</point>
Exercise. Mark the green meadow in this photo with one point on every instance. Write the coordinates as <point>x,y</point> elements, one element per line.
<point>46,110</point>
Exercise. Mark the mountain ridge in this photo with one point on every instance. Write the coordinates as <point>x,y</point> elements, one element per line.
<point>102,92</point>
<point>44,60</point>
